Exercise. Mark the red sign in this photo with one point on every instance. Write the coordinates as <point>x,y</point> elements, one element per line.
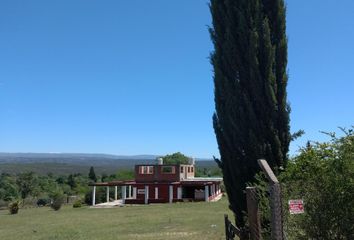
<point>296,206</point>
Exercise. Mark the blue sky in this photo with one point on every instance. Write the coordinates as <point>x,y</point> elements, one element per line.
<point>133,77</point>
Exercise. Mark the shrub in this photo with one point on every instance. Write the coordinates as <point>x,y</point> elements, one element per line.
<point>43,202</point>
<point>77,204</point>
<point>323,176</point>
<point>14,207</point>
<point>57,201</point>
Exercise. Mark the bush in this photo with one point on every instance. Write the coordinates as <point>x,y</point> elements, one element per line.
<point>57,201</point>
<point>43,202</point>
<point>14,207</point>
<point>323,176</point>
<point>77,204</point>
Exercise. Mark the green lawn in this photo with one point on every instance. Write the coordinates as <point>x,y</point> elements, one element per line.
<point>155,221</point>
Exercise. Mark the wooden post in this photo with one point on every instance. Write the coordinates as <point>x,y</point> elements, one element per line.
<point>275,201</point>
<point>253,213</point>
<point>226,219</point>
<point>276,211</point>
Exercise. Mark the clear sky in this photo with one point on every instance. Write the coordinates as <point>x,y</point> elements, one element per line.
<point>133,77</point>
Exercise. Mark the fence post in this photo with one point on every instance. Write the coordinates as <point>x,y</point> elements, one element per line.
<point>226,219</point>
<point>253,214</point>
<point>275,201</point>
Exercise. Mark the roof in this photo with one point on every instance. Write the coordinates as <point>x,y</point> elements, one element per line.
<point>189,181</point>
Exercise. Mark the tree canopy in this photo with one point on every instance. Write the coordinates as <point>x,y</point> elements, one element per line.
<point>176,158</point>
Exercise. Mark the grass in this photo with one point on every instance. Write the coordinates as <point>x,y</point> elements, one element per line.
<point>155,221</point>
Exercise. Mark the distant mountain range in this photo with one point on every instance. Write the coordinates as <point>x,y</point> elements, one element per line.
<point>73,155</point>
<point>62,163</point>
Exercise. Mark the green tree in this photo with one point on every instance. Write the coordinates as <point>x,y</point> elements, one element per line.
<point>123,175</point>
<point>8,188</point>
<point>71,181</point>
<point>175,158</point>
<point>28,184</point>
<point>323,176</point>
<point>252,115</point>
<point>92,175</point>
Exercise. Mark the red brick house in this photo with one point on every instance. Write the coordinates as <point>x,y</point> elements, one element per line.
<point>162,183</point>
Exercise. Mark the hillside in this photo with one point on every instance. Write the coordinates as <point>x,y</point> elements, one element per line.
<point>66,163</point>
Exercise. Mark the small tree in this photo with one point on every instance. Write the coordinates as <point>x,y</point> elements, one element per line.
<point>57,199</point>
<point>92,175</point>
<point>14,207</point>
<point>176,158</point>
<point>28,184</point>
<point>71,181</point>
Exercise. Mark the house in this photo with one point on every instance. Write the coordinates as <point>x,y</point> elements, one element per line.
<point>164,183</point>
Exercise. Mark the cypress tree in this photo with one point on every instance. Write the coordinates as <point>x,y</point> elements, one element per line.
<point>92,175</point>
<point>252,115</point>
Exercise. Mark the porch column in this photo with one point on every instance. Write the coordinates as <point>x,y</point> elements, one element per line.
<point>124,193</point>
<point>171,194</point>
<point>146,194</point>
<point>134,192</point>
<point>130,191</point>
<point>107,194</point>
<point>156,192</point>
<point>206,193</point>
<point>94,196</point>
<point>115,193</point>
<point>179,193</point>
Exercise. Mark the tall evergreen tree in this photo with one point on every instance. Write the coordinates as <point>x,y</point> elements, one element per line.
<point>252,115</point>
<point>92,175</point>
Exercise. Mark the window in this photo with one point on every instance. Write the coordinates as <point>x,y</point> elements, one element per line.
<point>192,169</point>
<point>146,169</point>
<point>182,169</point>
<point>189,169</point>
<point>168,169</point>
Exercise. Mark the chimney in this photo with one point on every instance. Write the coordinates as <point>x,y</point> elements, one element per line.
<point>159,161</point>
